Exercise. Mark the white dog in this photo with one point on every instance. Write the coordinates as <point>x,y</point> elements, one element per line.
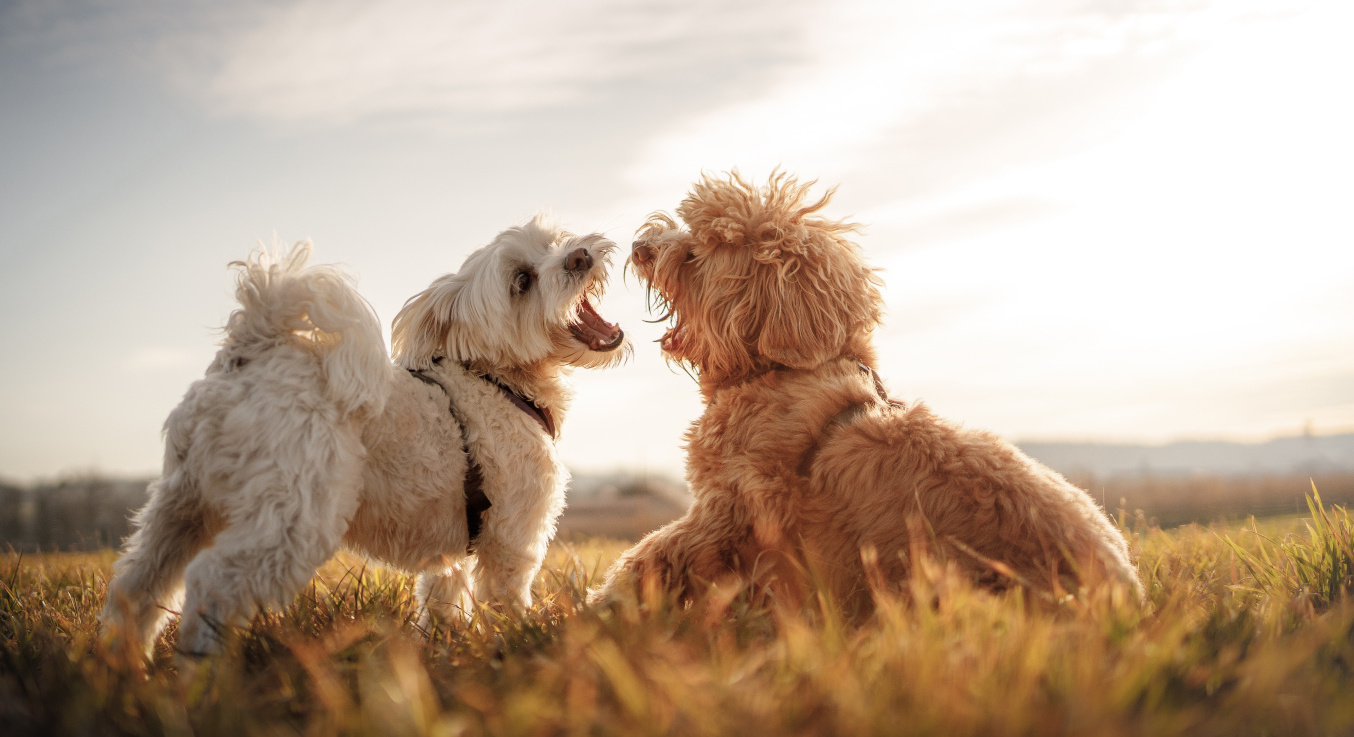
<point>303,437</point>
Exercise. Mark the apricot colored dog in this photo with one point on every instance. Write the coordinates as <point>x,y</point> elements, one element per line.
<point>801,467</point>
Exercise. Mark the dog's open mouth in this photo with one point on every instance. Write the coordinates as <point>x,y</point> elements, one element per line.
<point>594,332</point>
<point>671,342</point>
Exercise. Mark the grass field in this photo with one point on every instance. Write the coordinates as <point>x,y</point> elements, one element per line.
<point>1248,630</point>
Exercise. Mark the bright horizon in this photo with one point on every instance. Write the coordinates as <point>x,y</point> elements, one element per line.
<point>1112,225</point>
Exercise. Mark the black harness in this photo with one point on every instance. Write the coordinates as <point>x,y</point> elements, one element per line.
<point>476,501</point>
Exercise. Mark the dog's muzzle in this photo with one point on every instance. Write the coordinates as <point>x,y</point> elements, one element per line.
<point>580,259</point>
<point>641,253</point>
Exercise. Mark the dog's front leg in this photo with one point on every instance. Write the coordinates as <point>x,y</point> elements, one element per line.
<point>511,546</point>
<point>712,544</point>
<point>652,562</point>
<point>445,595</point>
<point>503,574</point>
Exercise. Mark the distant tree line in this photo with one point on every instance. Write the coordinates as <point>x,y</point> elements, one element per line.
<point>85,513</point>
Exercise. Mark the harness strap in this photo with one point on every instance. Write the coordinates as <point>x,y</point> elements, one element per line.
<point>879,388</point>
<point>476,501</point>
<point>848,415</point>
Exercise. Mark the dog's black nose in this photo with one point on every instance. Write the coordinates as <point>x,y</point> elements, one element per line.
<point>578,260</point>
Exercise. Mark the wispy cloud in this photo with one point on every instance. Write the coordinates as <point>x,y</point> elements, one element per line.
<point>912,98</point>
<point>343,61</point>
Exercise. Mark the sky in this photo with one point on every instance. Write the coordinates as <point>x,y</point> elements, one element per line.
<point>1126,221</point>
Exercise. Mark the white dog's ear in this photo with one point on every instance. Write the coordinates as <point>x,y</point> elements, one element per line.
<point>420,331</point>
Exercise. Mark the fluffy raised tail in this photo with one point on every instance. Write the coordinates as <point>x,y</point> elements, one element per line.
<point>315,308</point>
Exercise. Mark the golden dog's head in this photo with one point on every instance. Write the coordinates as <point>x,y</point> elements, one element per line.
<point>756,280</point>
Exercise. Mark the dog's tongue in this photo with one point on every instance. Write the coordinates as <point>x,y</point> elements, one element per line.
<point>594,332</point>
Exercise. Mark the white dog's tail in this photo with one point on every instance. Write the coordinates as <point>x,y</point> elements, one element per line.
<point>316,309</point>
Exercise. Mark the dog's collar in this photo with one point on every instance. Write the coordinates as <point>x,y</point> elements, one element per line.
<point>541,414</point>
<point>874,377</point>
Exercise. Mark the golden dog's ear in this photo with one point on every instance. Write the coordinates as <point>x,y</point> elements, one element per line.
<point>813,300</point>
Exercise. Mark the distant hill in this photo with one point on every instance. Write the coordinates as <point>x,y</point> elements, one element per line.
<point>1300,455</point>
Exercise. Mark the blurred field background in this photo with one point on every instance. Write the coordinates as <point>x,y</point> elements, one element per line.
<point>1170,484</point>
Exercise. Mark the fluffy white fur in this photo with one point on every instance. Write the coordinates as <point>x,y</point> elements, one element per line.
<point>303,436</point>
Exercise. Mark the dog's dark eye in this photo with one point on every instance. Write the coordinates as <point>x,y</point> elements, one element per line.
<point>523,281</point>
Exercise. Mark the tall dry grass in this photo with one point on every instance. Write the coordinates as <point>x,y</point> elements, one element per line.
<point>1246,631</point>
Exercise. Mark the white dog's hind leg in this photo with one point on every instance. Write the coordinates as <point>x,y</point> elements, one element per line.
<point>446,595</point>
<point>268,553</point>
<point>252,566</point>
<point>147,580</point>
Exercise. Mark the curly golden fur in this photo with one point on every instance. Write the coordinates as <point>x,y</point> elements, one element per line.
<point>802,470</point>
